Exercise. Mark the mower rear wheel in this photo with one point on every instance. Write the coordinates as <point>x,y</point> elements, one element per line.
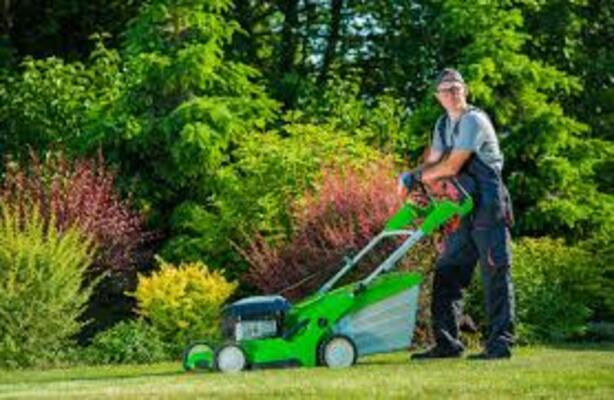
<point>337,352</point>
<point>230,358</point>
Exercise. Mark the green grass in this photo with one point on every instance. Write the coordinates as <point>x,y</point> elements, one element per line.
<point>574,372</point>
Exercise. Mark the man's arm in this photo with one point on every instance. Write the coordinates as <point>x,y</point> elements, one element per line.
<point>432,158</point>
<point>448,167</point>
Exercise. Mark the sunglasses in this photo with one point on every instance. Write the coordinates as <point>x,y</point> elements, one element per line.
<point>450,90</point>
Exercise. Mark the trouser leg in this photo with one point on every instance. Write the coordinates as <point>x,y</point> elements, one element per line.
<point>453,272</point>
<point>494,246</point>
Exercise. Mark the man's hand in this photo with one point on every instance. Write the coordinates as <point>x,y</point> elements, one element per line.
<point>407,182</point>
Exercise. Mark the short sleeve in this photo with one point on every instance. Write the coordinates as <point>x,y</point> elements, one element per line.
<point>470,133</point>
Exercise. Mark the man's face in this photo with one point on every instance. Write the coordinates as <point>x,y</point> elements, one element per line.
<point>451,95</point>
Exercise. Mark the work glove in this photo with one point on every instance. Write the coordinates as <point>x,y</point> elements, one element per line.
<point>407,182</point>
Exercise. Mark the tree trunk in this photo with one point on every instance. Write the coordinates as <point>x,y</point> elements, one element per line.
<point>310,10</point>
<point>336,7</point>
<point>288,36</point>
<point>244,13</point>
<point>7,18</point>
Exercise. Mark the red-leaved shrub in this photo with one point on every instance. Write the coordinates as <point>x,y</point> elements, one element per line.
<point>79,193</point>
<point>348,208</point>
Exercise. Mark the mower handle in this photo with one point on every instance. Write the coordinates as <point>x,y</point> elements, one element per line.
<point>459,187</point>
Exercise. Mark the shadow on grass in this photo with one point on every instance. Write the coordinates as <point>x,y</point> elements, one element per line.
<point>101,377</point>
<point>582,346</point>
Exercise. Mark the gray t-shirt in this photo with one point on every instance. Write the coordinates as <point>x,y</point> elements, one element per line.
<point>475,133</point>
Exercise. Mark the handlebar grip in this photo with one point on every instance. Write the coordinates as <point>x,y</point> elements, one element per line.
<point>453,180</point>
<point>425,190</point>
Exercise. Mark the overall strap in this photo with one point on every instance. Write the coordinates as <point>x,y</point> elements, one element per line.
<point>440,128</point>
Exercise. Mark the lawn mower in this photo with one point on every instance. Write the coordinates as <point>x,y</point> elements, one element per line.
<point>334,326</point>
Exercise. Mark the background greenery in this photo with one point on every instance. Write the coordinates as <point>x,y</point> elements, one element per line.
<point>216,116</point>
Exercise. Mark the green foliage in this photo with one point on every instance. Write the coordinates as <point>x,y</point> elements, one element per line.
<point>557,290</point>
<point>41,287</point>
<point>182,111</point>
<point>183,105</point>
<point>128,342</point>
<point>183,303</point>
<point>601,246</point>
<point>378,122</point>
<point>47,101</point>
<point>253,194</point>
<point>576,37</point>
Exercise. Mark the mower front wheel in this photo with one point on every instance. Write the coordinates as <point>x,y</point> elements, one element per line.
<point>230,358</point>
<point>337,352</point>
<point>198,356</point>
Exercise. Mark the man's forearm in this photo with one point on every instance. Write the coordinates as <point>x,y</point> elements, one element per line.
<point>434,157</point>
<point>448,167</point>
<point>436,171</point>
<point>427,165</point>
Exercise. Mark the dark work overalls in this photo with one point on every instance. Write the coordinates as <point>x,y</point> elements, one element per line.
<point>482,236</point>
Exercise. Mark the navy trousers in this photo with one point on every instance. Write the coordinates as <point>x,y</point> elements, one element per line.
<point>466,246</point>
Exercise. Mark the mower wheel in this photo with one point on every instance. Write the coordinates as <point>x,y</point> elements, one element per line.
<point>337,352</point>
<point>230,358</point>
<point>198,356</point>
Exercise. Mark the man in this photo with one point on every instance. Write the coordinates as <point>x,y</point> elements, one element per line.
<point>465,146</point>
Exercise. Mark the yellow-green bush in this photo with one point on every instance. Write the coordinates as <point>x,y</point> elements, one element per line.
<point>184,302</point>
<point>41,287</point>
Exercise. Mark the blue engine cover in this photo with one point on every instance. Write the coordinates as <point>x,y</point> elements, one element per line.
<point>257,306</point>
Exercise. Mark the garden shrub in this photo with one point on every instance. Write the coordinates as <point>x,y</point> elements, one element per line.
<point>41,286</point>
<point>83,193</point>
<point>133,341</point>
<point>48,101</point>
<point>557,287</point>
<point>183,303</point>
<point>601,246</point>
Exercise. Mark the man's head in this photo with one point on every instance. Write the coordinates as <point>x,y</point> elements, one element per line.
<point>451,90</point>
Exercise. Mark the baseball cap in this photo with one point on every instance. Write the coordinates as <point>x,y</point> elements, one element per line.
<point>449,75</point>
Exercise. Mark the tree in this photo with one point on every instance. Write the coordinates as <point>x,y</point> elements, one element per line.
<point>47,102</point>
<point>182,109</point>
<point>577,37</point>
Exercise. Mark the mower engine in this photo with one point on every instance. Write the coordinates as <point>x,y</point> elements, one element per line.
<point>255,317</point>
